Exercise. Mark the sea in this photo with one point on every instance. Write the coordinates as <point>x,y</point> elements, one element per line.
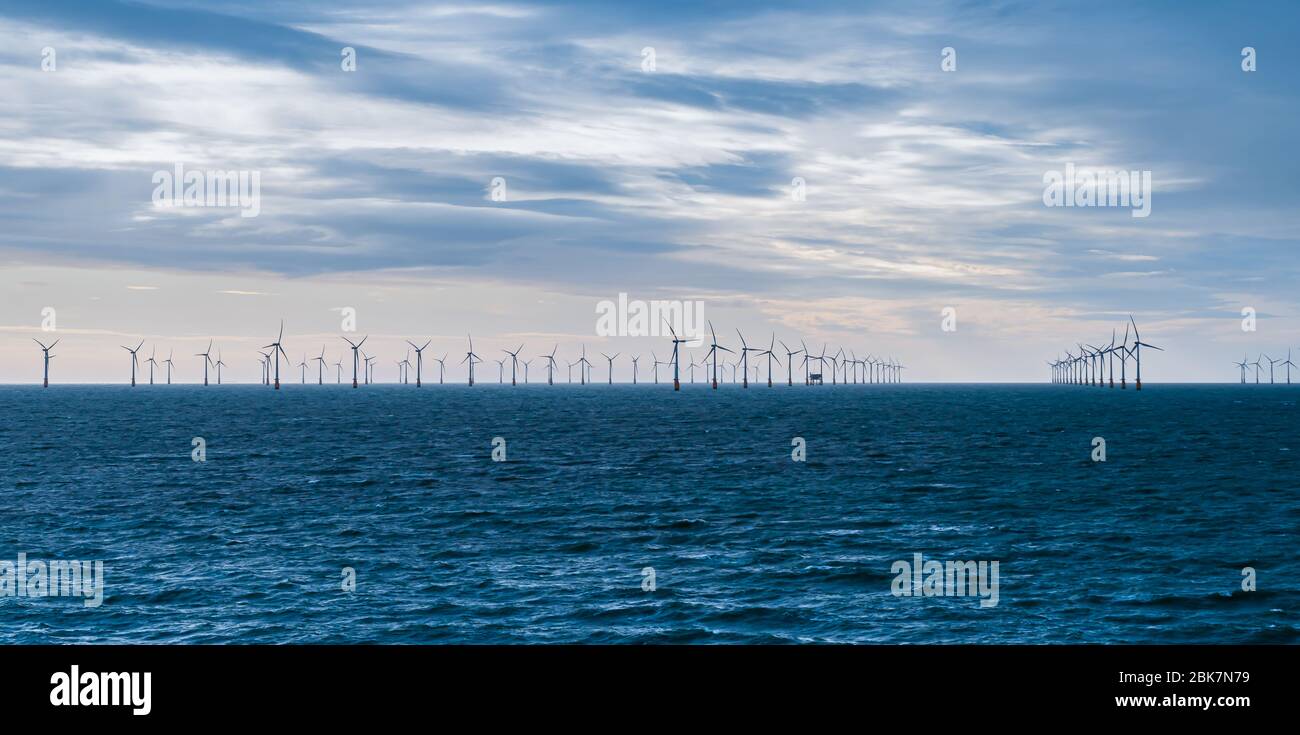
<point>622,514</point>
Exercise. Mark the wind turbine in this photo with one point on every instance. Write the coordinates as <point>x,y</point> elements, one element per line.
<point>370,367</point>
<point>1289,365</point>
<point>1257,368</point>
<point>1138,344</point>
<point>338,372</point>
<point>134,360</point>
<point>219,364</point>
<point>471,358</point>
<point>168,363</point>
<point>266,368</point>
<point>745,349</point>
<point>611,365</point>
<point>356,347</point>
<point>807,358</point>
<point>1088,364</point>
<point>45,382</point>
<point>1243,365</point>
<point>634,368</point>
<point>403,369</point>
<point>501,370</point>
<point>1124,355</point>
<point>1111,352</point>
<point>320,366</point>
<point>713,350</point>
<point>789,369</point>
<point>770,358</point>
<point>514,362</point>
<point>207,360</point>
<point>1099,364</point>
<point>277,349</point>
<point>442,365</point>
<point>676,359</point>
<point>419,361</point>
<point>526,363</point>
<point>151,363</point>
<point>303,365</point>
<point>654,366</point>
<point>1271,363</point>
<point>583,366</point>
<point>550,365</point>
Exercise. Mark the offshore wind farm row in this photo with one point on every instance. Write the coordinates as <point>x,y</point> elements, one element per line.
<point>1090,365</point>
<point>841,366</point>
<point>1084,364</point>
<point>1272,363</point>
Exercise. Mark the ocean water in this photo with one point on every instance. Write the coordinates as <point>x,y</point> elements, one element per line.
<point>600,482</point>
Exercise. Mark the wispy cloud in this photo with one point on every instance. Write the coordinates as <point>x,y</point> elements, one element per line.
<point>920,186</point>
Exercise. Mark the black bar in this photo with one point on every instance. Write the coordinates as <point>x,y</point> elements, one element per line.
<point>937,684</point>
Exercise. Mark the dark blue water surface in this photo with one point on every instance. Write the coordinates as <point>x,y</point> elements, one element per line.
<point>602,481</point>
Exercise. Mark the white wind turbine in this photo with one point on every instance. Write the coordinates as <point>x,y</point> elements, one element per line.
<point>356,363</point>
<point>134,360</point>
<point>45,382</point>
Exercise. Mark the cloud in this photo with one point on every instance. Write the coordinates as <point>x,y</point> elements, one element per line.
<point>921,186</point>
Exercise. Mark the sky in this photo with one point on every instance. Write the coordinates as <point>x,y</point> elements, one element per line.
<point>650,150</point>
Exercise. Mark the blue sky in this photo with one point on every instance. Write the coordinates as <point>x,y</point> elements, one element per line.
<point>924,186</point>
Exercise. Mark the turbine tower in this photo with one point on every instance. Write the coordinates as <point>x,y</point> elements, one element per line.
<point>45,382</point>
<point>207,360</point>
<point>676,359</point>
<point>442,365</point>
<point>770,358</point>
<point>320,366</point>
<point>514,363</point>
<point>789,366</point>
<point>745,349</point>
<point>419,361</point>
<point>152,363</point>
<point>134,360</point>
<point>713,350</point>
<point>550,365</point>
<point>277,349</point>
<point>1138,344</point>
<point>584,365</point>
<point>471,358</point>
<point>611,365</point>
<point>1271,363</point>
<point>356,347</point>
